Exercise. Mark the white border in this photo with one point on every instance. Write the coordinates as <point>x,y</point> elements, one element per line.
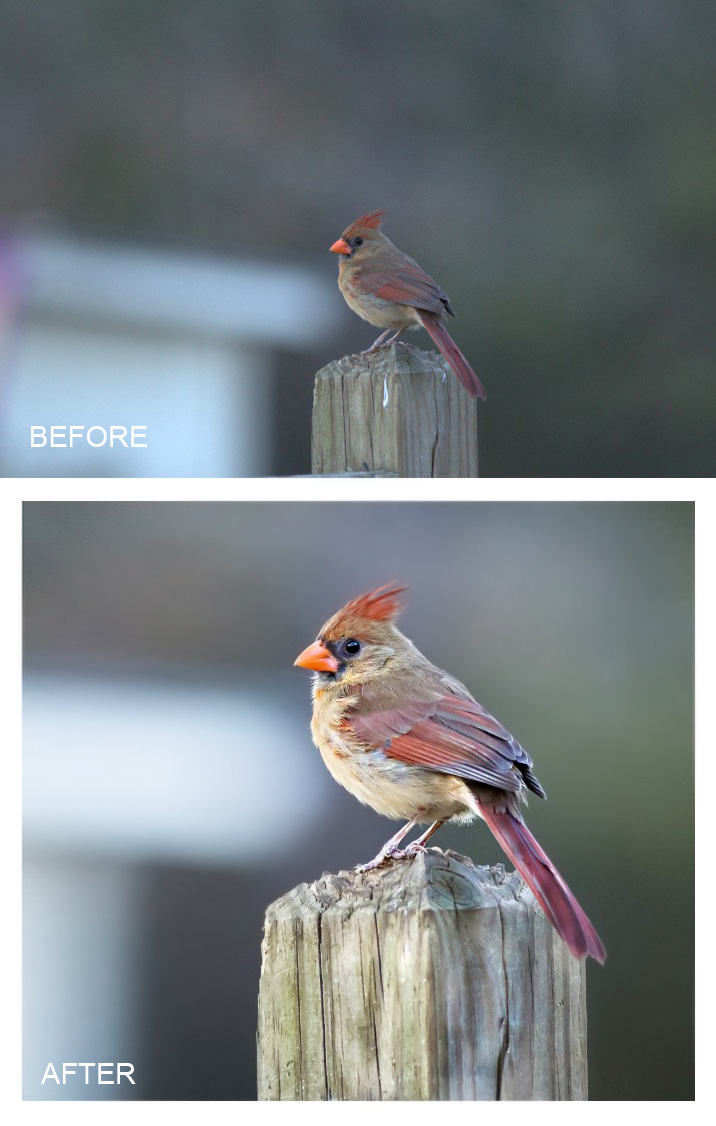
<point>357,488</point>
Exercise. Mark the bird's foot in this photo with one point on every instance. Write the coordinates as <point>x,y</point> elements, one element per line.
<point>417,846</point>
<point>383,857</point>
<point>381,342</point>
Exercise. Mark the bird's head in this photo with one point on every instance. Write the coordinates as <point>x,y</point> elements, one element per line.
<point>362,237</point>
<point>359,642</point>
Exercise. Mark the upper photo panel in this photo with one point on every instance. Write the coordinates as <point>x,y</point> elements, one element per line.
<point>365,239</point>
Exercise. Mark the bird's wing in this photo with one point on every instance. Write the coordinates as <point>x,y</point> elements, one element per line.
<point>453,736</point>
<point>406,283</point>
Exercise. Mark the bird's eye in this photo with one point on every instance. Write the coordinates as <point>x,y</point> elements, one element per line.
<point>352,646</point>
<point>357,241</point>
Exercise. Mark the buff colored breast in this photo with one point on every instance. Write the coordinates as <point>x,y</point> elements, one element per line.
<point>392,788</point>
<point>376,310</point>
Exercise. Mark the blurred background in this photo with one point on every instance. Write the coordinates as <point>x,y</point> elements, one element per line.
<point>173,174</point>
<point>172,791</point>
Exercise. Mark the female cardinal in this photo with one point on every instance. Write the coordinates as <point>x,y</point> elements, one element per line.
<point>388,289</point>
<point>409,740</point>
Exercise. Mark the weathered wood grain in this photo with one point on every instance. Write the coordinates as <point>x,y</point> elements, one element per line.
<point>397,410</point>
<point>430,978</point>
<point>376,473</point>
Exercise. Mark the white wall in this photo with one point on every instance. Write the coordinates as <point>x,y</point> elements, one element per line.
<point>204,403</point>
<point>95,334</point>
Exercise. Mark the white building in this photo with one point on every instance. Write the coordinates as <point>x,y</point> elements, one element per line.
<point>95,335</point>
<point>119,775</point>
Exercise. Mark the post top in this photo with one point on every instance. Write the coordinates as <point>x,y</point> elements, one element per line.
<point>431,881</point>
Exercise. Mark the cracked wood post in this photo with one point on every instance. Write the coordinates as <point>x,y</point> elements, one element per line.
<point>391,413</point>
<point>430,978</point>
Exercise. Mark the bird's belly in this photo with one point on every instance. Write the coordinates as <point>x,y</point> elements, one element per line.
<point>379,312</point>
<point>397,789</point>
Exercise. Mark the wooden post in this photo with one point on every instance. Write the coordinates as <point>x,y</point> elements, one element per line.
<point>429,978</point>
<point>395,412</point>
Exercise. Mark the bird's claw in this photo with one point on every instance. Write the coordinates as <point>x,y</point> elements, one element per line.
<point>417,846</point>
<point>383,858</point>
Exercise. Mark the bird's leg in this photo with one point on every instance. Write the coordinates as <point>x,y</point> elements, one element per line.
<point>389,849</point>
<point>381,342</point>
<point>376,343</point>
<point>419,844</point>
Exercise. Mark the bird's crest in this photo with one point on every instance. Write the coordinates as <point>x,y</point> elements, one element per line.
<point>381,605</point>
<point>372,220</point>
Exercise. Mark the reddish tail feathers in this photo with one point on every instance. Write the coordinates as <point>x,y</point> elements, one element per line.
<point>454,356</point>
<point>538,872</point>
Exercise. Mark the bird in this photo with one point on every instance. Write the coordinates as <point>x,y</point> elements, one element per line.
<point>390,290</point>
<point>411,741</point>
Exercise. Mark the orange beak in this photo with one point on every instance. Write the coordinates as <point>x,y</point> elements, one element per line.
<point>318,658</point>
<point>340,247</point>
